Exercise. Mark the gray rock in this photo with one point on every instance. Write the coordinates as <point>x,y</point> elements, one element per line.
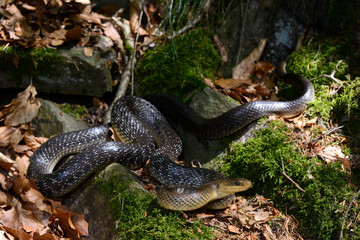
<point>87,199</point>
<point>208,104</point>
<point>76,75</point>
<point>90,201</point>
<point>51,120</point>
<point>281,22</point>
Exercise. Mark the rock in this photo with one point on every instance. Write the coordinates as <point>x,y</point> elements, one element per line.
<point>90,201</point>
<point>208,104</point>
<point>77,74</point>
<point>51,120</point>
<point>246,22</point>
<point>87,199</point>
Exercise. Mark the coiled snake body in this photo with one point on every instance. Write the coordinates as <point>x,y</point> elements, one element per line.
<point>148,135</point>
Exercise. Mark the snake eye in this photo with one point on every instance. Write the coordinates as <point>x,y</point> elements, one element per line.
<point>237,183</point>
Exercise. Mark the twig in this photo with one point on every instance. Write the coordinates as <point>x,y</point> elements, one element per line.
<point>332,77</point>
<point>134,51</point>
<point>285,175</point>
<point>332,130</point>
<point>124,82</point>
<point>244,14</point>
<point>317,53</point>
<point>346,213</point>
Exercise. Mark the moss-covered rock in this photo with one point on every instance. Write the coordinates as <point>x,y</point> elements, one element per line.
<point>65,71</point>
<point>175,68</point>
<point>320,208</point>
<point>322,57</point>
<point>139,216</point>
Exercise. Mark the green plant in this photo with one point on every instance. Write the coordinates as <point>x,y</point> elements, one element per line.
<point>140,217</point>
<point>320,207</point>
<point>349,100</point>
<point>16,61</point>
<point>75,110</point>
<point>176,68</point>
<point>315,60</point>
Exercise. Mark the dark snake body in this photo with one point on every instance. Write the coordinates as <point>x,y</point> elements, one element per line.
<point>148,135</point>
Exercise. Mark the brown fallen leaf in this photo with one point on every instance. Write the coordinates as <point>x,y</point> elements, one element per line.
<point>262,68</point>
<point>5,198</point>
<point>111,32</point>
<point>34,142</point>
<point>16,218</point>
<point>80,224</point>
<point>34,196</point>
<point>6,133</point>
<point>62,222</point>
<point>332,154</point>
<point>260,216</point>
<point>23,108</point>
<point>233,83</point>
<point>204,215</point>
<point>247,66</point>
<point>233,229</point>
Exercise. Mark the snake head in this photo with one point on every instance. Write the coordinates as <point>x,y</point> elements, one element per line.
<point>229,186</point>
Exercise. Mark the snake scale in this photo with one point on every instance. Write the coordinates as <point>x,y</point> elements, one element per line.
<point>146,134</point>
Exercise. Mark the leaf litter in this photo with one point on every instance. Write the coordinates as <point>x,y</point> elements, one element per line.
<point>24,212</point>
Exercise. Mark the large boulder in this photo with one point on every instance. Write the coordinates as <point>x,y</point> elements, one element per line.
<point>209,104</point>
<point>72,73</point>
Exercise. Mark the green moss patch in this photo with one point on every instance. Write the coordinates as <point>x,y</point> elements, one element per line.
<point>75,110</point>
<point>175,68</point>
<point>140,217</point>
<point>30,61</point>
<point>320,208</point>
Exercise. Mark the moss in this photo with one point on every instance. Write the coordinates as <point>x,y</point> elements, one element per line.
<point>320,208</point>
<point>140,217</point>
<point>322,57</point>
<point>74,110</point>
<point>176,68</point>
<point>349,100</point>
<point>32,61</point>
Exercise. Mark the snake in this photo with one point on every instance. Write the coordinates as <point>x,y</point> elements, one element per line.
<point>142,124</point>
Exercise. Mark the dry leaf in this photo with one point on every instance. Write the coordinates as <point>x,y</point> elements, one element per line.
<point>16,218</point>
<point>233,229</point>
<point>88,51</point>
<point>204,215</point>
<point>34,142</point>
<point>104,43</point>
<point>332,154</point>
<point>23,108</point>
<point>247,66</point>
<point>5,135</point>
<point>260,216</point>
<point>80,224</point>
<point>262,68</point>
<point>232,83</point>
<point>111,32</point>
<point>5,197</point>
<point>64,223</point>
<point>34,196</point>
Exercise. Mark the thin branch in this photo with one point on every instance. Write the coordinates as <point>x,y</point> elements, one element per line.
<point>293,182</point>
<point>346,213</point>
<point>332,77</point>
<point>123,85</point>
<point>134,51</point>
<point>244,15</point>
